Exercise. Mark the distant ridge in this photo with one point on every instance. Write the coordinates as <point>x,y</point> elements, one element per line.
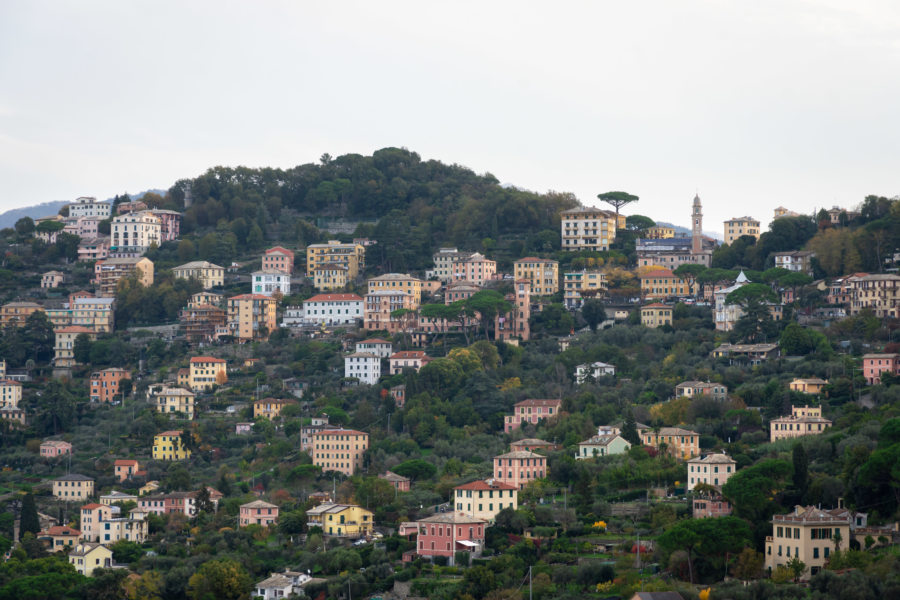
<point>46,209</point>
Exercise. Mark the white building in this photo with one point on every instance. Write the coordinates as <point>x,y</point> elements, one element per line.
<point>333,309</point>
<point>269,282</point>
<point>293,317</point>
<point>134,233</point>
<point>595,370</point>
<point>376,346</point>
<point>588,228</point>
<point>726,315</point>
<point>87,206</point>
<point>363,366</point>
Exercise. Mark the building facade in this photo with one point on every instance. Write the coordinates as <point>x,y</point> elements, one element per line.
<point>134,233</point>
<point>712,469</point>
<point>803,420</point>
<point>807,533</point>
<point>270,283</point>
<point>73,487</point>
<point>519,468</point>
<point>680,443</point>
<point>258,513</point>
<point>541,273</point>
<point>333,309</point>
<point>252,316</point>
<point>364,366</point>
<point>656,315</point>
<point>168,445</point>
<point>484,498</point>
<point>740,226</point>
<point>105,384</point>
<point>531,411</point>
<point>580,285</point>
<point>208,274</point>
<point>340,450</point>
<point>587,228</point>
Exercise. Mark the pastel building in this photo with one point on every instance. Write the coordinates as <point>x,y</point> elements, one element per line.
<point>696,389</point>
<point>602,444</point>
<point>105,384</point>
<point>807,533</point>
<point>656,315</point>
<point>340,450</point>
<point>279,259</point>
<point>134,233</point>
<point>168,445</point>
<point>484,498</point>
<point>271,282</point>
<point>588,228</point>
<point>680,443</point>
<point>874,365</point>
<point>740,226</point>
<point>252,316</point>
<point>531,411</point>
<point>519,468</point>
<point>125,469</point>
<point>333,309</point>
<point>341,520</point>
<point>712,469</point>
<point>541,273</point>
<point>446,534</point>
<point>10,393</point>
<point>579,285</point>
<point>364,366</point>
<point>88,557</point>
<point>175,401</point>
<point>206,372</point>
<point>803,420</point>
<point>408,359</point>
<point>208,274</point>
<point>73,487</point>
<point>55,448</point>
<point>87,206</point>
<point>475,268</point>
<point>258,513</point>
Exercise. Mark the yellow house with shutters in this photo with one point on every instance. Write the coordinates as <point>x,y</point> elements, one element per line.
<point>341,520</point>
<point>168,446</point>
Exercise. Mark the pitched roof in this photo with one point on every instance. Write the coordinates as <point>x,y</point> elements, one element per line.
<point>62,530</point>
<point>520,454</point>
<point>485,484</point>
<point>539,402</point>
<point>125,462</point>
<point>340,432</point>
<point>280,249</point>
<point>258,504</point>
<point>452,517</point>
<point>205,359</point>
<point>74,477</point>
<point>409,354</point>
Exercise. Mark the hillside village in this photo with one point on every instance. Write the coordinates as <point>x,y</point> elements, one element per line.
<point>382,377</point>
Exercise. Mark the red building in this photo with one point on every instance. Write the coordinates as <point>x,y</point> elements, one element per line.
<point>278,259</point>
<point>519,468</point>
<point>531,411</point>
<point>105,384</point>
<point>446,534</point>
<point>711,506</point>
<point>876,364</point>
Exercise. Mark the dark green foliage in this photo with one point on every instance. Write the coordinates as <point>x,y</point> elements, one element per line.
<point>593,313</point>
<point>29,522</point>
<point>416,469</point>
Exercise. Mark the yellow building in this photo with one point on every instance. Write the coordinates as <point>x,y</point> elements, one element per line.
<point>207,371</point>
<point>483,499</point>
<point>659,232</point>
<point>352,256</point>
<point>807,533</point>
<point>88,556</point>
<point>73,487</point>
<point>662,283</point>
<point>16,313</point>
<point>171,401</point>
<point>65,344</point>
<point>208,274</point>
<point>808,386</point>
<point>680,443</point>
<point>252,316</point>
<point>330,277</point>
<point>110,271</point>
<point>656,315</point>
<point>398,282</point>
<point>541,273</point>
<point>270,408</point>
<point>803,420</point>
<point>10,393</point>
<point>579,284</point>
<point>339,450</point>
<point>94,313</point>
<point>341,520</point>
<point>587,228</point>
<point>168,446</point>
<point>735,228</point>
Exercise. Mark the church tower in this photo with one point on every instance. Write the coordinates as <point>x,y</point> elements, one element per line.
<point>697,226</point>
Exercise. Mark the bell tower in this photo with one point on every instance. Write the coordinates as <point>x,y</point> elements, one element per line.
<point>697,226</point>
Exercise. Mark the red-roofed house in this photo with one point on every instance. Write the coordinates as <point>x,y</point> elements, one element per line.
<point>662,283</point>
<point>55,448</point>
<point>483,499</point>
<point>531,411</point>
<point>59,537</point>
<point>278,259</point>
<point>126,468</point>
<point>408,359</point>
<point>207,371</point>
<point>446,534</point>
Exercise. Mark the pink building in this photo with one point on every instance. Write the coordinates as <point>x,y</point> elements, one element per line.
<point>476,268</point>
<point>55,448</point>
<point>446,534</point>
<point>83,227</point>
<point>398,393</point>
<point>400,483</point>
<point>460,290</point>
<point>711,507</point>
<point>169,224</point>
<point>176,502</point>
<point>96,248</point>
<point>127,468</point>
<point>278,259</point>
<point>519,468</point>
<point>92,517</point>
<point>258,513</point>
<point>514,324</point>
<point>531,411</point>
<point>876,364</point>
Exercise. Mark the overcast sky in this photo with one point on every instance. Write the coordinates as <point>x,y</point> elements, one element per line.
<point>752,104</point>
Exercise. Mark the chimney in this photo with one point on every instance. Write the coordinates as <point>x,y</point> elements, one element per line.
<point>840,503</point>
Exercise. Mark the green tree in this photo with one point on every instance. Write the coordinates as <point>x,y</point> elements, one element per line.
<point>29,522</point>
<point>25,226</point>
<point>801,469</point>
<point>220,580</point>
<point>618,200</point>
<point>488,304</point>
<point>796,566</point>
<point>593,312</point>
<point>416,469</point>
<point>639,222</point>
<point>81,349</point>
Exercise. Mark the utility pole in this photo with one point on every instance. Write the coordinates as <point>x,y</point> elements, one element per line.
<point>530,597</point>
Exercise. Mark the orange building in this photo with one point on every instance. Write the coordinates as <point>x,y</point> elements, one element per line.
<point>105,384</point>
<point>252,316</point>
<point>519,468</point>
<point>278,259</point>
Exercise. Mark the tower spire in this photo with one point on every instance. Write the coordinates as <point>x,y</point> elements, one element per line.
<point>697,226</point>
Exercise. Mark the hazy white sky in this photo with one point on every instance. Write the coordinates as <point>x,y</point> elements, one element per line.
<point>754,104</point>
